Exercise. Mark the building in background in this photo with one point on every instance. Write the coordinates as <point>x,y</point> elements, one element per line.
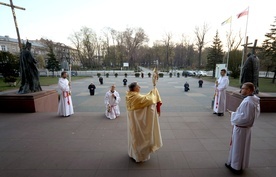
<point>64,54</point>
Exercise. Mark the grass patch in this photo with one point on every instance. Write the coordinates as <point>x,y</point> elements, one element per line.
<point>265,84</point>
<point>44,81</point>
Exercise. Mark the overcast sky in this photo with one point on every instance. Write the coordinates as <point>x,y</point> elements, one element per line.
<point>57,19</point>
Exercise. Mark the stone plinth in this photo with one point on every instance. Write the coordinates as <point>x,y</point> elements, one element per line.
<point>234,98</point>
<point>43,101</point>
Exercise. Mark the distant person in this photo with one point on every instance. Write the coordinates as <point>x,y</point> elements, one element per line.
<point>220,93</point>
<point>101,80</point>
<point>242,120</point>
<point>250,71</point>
<point>155,76</point>
<point>200,83</point>
<point>112,100</point>
<point>186,74</point>
<point>142,75</point>
<point>65,106</point>
<point>186,87</point>
<point>92,88</point>
<point>125,81</point>
<point>143,111</point>
<point>28,71</point>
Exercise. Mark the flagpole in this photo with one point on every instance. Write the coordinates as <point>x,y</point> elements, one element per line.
<point>245,42</point>
<point>229,45</point>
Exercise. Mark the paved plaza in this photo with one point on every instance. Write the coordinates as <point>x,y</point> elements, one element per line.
<point>195,141</point>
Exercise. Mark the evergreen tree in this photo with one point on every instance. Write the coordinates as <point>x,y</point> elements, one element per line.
<point>52,64</point>
<point>234,63</point>
<point>215,54</point>
<point>269,49</point>
<point>9,66</point>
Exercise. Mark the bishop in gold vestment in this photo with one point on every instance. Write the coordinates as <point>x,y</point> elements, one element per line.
<point>143,111</point>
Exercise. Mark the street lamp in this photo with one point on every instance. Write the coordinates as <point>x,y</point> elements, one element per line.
<point>67,62</point>
<point>68,59</point>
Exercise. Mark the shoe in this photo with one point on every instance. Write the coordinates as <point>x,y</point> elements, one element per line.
<point>215,113</point>
<point>220,114</point>
<point>237,172</point>
<point>228,166</point>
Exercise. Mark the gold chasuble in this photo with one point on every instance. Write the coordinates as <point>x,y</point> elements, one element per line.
<point>144,135</point>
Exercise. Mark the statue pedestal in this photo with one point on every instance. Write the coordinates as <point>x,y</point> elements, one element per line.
<point>234,98</point>
<point>43,101</point>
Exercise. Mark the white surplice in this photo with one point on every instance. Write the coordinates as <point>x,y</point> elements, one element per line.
<point>144,136</point>
<point>242,121</point>
<point>112,110</point>
<point>220,95</point>
<point>65,106</point>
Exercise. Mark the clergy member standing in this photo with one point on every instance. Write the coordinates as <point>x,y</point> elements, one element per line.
<point>220,93</point>
<point>242,121</point>
<point>65,106</point>
<point>111,100</point>
<point>144,136</point>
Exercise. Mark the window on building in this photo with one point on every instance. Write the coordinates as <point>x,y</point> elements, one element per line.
<point>3,48</point>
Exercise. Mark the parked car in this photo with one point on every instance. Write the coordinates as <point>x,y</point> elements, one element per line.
<point>188,73</point>
<point>201,73</point>
<point>229,73</point>
<point>74,73</point>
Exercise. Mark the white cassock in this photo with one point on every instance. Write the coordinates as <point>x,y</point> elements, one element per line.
<point>65,106</point>
<point>112,110</point>
<point>242,121</point>
<point>220,95</point>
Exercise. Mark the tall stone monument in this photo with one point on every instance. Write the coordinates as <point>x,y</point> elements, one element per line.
<point>28,71</point>
<point>250,71</point>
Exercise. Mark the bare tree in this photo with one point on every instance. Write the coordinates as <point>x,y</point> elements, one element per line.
<point>200,35</point>
<point>89,41</point>
<point>99,47</point>
<point>86,43</point>
<point>232,43</point>
<point>158,50</point>
<point>184,52</point>
<point>121,53</point>
<point>133,39</point>
<point>169,49</point>
<point>110,47</point>
<point>180,52</point>
<point>76,40</point>
<point>106,46</point>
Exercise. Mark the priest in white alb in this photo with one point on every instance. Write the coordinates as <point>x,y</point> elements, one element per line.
<point>65,106</point>
<point>242,121</point>
<point>220,93</point>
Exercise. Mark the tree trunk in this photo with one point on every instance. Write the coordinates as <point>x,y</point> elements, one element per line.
<point>199,58</point>
<point>267,70</point>
<point>273,80</point>
<point>214,70</point>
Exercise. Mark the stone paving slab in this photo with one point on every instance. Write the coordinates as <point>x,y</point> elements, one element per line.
<point>196,142</point>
